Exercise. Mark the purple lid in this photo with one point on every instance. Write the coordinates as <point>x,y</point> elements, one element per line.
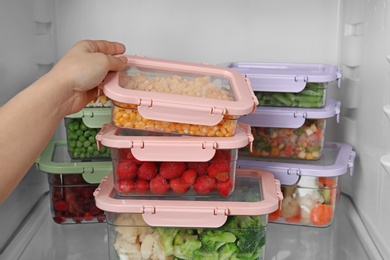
<point>286,77</point>
<point>290,117</point>
<point>337,159</point>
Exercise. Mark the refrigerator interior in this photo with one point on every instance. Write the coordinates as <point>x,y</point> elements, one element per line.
<point>353,34</point>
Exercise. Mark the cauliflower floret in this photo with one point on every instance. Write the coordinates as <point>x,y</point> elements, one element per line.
<point>132,227</point>
<point>307,203</point>
<point>126,250</point>
<point>152,247</point>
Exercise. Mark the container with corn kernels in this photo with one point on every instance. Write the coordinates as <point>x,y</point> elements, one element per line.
<point>178,97</point>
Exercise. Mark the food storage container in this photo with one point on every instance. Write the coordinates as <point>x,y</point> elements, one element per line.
<point>81,129</point>
<point>310,189</point>
<point>173,165</point>
<point>178,97</point>
<point>72,184</point>
<point>289,84</point>
<point>297,133</point>
<point>226,228</point>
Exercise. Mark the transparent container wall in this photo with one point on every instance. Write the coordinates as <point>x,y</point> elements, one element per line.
<point>214,178</point>
<point>127,116</point>
<point>310,202</point>
<point>305,142</point>
<point>81,141</point>
<point>101,101</point>
<point>72,200</point>
<point>241,237</point>
<point>176,83</point>
<point>312,96</point>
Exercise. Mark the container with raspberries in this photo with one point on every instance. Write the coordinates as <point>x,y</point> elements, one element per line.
<point>164,165</point>
<point>195,228</point>
<point>311,189</point>
<point>293,133</point>
<point>289,84</point>
<point>178,97</point>
<point>71,184</point>
<point>81,130</point>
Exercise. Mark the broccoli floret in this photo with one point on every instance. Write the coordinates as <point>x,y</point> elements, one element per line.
<point>227,251</point>
<point>168,235</point>
<point>202,254</point>
<point>214,239</point>
<point>185,244</point>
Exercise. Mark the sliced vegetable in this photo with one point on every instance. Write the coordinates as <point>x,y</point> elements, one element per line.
<point>321,214</point>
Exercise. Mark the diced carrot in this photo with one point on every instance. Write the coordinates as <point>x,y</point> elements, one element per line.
<point>274,215</point>
<point>328,182</point>
<point>288,150</point>
<point>275,151</point>
<point>321,214</point>
<point>294,219</point>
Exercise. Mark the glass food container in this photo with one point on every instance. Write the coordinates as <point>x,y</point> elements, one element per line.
<point>178,97</point>
<point>173,165</point>
<point>226,228</point>
<point>311,190</point>
<point>72,184</point>
<point>297,133</point>
<point>289,84</point>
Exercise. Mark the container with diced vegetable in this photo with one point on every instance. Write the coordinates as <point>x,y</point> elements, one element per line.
<point>289,84</point>
<point>225,228</point>
<point>169,165</point>
<point>297,133</point>
<point>72,184</point>
<point>178,97</point>
<point>311,190</point>
<point>81,130</point>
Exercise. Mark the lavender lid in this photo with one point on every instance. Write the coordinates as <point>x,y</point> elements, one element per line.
<point>286,77</point>
<point>336,160</point>
<point>290,117</point>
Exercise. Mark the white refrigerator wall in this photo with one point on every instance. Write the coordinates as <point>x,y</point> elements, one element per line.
<point>353,34</point>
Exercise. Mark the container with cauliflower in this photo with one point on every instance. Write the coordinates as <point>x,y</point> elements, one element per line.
<point>81,130</point>
<point>72,184</point>
<point>289,84</point>
<point>178,97</point>
<point>226,228</point>
<point>290,133</point>
<point>173,165</point>
<point>311,190</point>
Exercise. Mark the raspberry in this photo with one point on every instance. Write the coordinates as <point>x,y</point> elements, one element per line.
<point>219,170</point>
<point>178,186</point>
<point>141,186</point>
<point>171,170</point>
<point>189,177</point>
<point>61,205</point>
<point>224,188</point>
<point>88,216</point>
<point>221,155</point>
<point>205,184</point>
<point>199,167</point>
<point>126,169</point>
<point>159,185</point>
<point>147,170</point>
<point>125,186</point>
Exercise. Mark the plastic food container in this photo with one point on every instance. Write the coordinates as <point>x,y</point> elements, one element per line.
<point>297,133</point>
<point>81,129</point>
<point>311,190</point>
<point>178,97</point>
<point>72,184</point>
<point>173,165</point>
<point>289,84</point>
<point>227,228</point>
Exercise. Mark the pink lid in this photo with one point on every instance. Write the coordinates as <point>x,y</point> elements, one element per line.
<point>173,148</point>
<point>181,92</point>
<point>197,213</point>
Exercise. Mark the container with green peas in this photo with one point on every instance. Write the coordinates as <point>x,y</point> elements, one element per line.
<point>81,130</point>
<point>289,84</point>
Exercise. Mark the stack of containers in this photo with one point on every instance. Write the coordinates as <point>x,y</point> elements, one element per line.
<point>289,138</point>
<point>75,166</point>
<point>174,140</point>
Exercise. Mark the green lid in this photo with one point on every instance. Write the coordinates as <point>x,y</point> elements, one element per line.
<point>93,117</point>
<point>55,159</point>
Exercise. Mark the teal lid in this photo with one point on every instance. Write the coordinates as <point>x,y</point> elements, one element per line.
<point>55,159</point>
<point>93,117</point>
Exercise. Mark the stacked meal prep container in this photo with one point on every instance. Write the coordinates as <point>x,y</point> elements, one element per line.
<point>174,192</point>
<point>75,166</point>
<point>289,138</point>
